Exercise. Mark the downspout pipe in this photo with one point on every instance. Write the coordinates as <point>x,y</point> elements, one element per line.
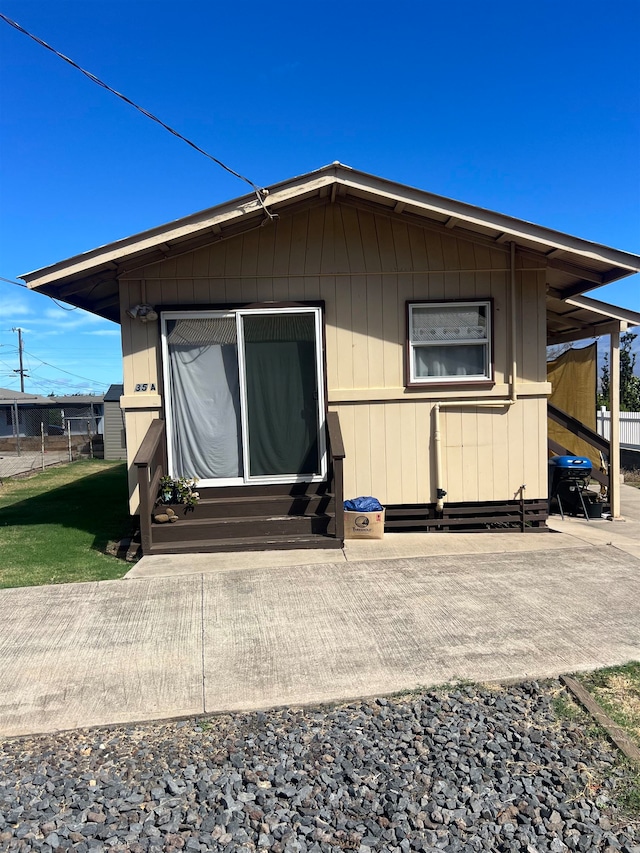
<point>483,403</point>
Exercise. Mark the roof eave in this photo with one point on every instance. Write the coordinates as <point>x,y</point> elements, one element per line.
<point>107,260</point>
<point>582,318</point>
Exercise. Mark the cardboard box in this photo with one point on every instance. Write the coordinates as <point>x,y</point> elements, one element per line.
<point>363,525</point>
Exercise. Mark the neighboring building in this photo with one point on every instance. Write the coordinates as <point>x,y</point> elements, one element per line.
<point>16,404</point>
<point>82,411</point>
<point>342,315</point>
<point>115,442</point>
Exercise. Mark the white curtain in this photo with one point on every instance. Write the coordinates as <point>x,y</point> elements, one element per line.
<point>449,361</point>
<point>205,398</point>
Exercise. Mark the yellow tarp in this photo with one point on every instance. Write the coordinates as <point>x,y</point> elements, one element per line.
<point>573,376</point>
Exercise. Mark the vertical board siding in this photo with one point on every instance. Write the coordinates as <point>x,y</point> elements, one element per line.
<point>501,321</point>
<point>114,441</point>
<point>140,341</point>
<point>389,451</point>
<point>365,267</point>
<point>137,422</point>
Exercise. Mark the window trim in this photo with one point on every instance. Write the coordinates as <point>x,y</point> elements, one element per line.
<point>316,309</point>
<point>459,381</point>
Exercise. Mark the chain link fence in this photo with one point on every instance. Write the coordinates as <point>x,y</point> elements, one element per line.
<point>51,434</point>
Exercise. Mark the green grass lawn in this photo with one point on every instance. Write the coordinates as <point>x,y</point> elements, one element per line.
<point>55,526</point>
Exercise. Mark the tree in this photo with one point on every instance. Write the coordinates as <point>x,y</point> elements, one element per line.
<point>629,382</point>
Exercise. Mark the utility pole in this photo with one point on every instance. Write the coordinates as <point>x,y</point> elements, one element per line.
<point>20,346</point>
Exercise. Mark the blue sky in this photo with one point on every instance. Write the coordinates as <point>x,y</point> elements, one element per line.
<point>530,108</point>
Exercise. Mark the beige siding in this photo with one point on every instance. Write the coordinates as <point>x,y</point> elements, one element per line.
<point>365,267</point>
<point>138,422</point>
<point>487,453</point>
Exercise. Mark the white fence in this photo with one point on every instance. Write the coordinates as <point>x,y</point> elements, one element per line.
<point>629,428</point>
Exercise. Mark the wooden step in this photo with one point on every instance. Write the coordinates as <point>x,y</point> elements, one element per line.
<point>241,526</point>
<point>264,490</point>
<point>257,505</point>
<point>247,543</point>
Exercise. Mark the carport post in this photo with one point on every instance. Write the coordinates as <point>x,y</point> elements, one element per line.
<point>16,421</point>
<point>614,405</point>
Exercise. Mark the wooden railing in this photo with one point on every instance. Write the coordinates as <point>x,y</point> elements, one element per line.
<point>336,459</point>
<point>151,462</point>
<point>580,430</point>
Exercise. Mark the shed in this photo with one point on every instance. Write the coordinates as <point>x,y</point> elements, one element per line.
<point>115,441</point>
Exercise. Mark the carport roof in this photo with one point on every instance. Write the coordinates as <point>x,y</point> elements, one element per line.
<point>8,395</point>
<point>90,280</point>
<point>581,317</point>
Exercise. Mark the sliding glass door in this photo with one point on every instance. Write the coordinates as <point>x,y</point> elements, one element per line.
<point>244,395</point>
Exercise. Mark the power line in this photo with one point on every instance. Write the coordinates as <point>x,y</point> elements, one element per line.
<point>75,375</point>
<point>20,284</point>
<point>260,192</point>
<point>2,278</point>
<point>64,307</point>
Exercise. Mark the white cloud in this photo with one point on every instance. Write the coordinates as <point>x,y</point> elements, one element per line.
<point>104,332</point>
<point>58,321</point>
<point>14,307</point>
<point>76,316</point>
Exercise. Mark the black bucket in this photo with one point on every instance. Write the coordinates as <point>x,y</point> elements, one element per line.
<point>594,509</point>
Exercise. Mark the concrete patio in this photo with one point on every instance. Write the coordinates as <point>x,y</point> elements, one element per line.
<point>623,534</point>
<point>248,635</point>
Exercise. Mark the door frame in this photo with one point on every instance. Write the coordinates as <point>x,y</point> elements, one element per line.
<point>321,408</point>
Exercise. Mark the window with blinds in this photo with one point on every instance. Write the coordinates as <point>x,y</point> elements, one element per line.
<point>449,342</point>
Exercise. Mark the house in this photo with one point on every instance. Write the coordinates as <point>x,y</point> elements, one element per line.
<point>79,413</point>
<point>13,408</point>
<point>335,335</point>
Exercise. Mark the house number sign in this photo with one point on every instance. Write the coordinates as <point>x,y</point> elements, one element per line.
<point>145,386</point>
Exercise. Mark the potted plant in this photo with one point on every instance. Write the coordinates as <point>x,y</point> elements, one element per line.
<point>181,490</point>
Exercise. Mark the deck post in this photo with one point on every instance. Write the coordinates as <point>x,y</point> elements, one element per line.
<point>614,436</point>
<point>339,493</point>
<point>150,462</point>
<point>336,447</point>
<point>145,508</point>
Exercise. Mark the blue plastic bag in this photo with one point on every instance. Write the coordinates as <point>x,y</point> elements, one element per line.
<point>364,504</point>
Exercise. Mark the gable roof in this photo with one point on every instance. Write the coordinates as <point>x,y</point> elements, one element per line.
<point>8,395</point>
<point>90,280</point>
<point>114,393</point>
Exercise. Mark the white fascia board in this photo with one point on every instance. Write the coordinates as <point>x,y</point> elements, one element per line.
<point>279,195</point>
<point>181,228</point>
<point>604,309</point>
<point>548,238</point>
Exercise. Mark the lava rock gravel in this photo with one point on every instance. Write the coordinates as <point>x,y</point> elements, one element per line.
<point>462,769</point>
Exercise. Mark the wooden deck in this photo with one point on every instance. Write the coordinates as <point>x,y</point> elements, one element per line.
<point>243,518</point>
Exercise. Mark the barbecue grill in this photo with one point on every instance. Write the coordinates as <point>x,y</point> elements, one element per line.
<point>569,487</point>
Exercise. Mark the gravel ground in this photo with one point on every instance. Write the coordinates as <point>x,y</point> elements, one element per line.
<point>463,769</point>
